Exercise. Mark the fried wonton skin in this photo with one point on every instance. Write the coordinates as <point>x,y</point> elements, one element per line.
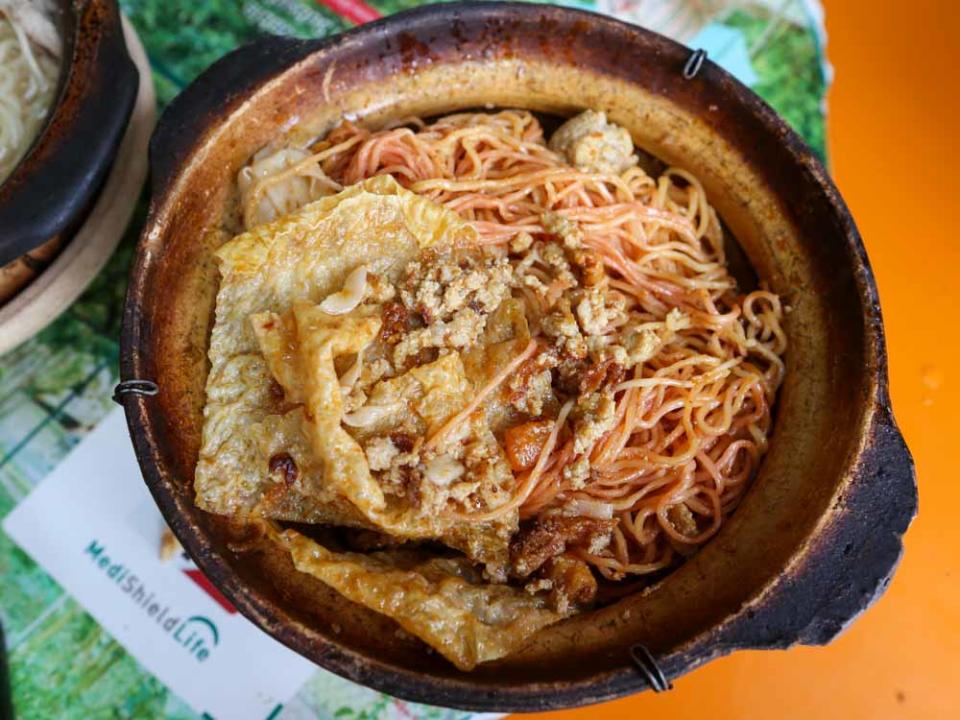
<point>442,601</point>
<point>273,443</point>
<point>300,349</point>
<point>300,257</point>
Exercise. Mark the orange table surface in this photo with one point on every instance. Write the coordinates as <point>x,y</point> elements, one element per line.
<point>894,117</point>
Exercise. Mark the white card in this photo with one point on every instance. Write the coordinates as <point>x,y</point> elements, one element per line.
<point>94,527</point>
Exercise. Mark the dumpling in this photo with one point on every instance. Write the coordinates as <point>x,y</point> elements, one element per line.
<point>443,601</point>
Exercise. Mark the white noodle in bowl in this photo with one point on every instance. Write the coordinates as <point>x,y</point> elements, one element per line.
<point>30,51</point>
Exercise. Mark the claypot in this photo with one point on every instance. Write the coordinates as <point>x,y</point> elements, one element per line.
<point>52,189</point>
<point>817,536</point>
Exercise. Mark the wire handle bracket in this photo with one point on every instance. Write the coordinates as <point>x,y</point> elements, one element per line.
<point>694,63</point>
<point>649,668</point>
<point>134,387</point>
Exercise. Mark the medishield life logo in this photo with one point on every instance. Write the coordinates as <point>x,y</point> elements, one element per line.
<point>196,634</point>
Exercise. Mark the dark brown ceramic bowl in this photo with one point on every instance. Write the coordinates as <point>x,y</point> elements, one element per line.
<point>817,537</point>
<point>55,183</point>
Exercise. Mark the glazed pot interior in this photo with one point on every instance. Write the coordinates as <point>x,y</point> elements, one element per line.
<point>764,185</point>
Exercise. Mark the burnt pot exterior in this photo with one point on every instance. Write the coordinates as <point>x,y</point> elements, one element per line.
<point>818,535</point>
<point>53,187</point>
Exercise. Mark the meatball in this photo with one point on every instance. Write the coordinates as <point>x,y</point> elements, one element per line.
<point>592,144</point>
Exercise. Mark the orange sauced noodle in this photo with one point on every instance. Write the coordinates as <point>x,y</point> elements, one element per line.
<point>693,413</point>
<point>491,386</point>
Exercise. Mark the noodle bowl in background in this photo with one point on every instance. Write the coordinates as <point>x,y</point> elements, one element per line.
<point>29,66</point>
<point>67,90</point>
